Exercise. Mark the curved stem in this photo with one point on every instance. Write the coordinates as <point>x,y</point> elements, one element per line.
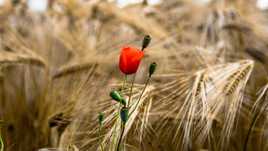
<point>143,90</point>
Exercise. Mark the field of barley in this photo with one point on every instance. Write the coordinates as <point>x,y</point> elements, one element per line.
<point>98,75</point>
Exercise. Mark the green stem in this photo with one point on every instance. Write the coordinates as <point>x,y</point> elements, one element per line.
<point>124,83</point>
<point>2,143</point>
<point>130,95</point>
<point>122,88</point>
<point>143,90</point>
<point>100,136</point>
<point>120,138</point>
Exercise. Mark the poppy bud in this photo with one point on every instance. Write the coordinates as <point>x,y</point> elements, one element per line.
<point>146,42</point>
<point>152,68</point>
<point>124,114</point>
<point>115,95</point>
<point>101,118</point>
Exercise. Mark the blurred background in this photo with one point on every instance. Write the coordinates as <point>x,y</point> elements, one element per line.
<point>59,61</point>
<point>41,5</point>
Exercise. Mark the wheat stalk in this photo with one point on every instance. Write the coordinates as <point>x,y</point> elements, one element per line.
<point>67,70</point>
<point>11,58</point>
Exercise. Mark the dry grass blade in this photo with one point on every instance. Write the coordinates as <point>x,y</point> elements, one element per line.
<point>66,70</point>
<point>8,58</point>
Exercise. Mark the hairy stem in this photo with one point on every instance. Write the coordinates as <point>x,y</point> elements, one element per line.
<point>124,83</point>
<point>131,88</point>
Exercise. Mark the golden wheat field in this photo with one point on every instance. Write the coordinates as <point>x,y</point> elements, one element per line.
<point>90,75</point>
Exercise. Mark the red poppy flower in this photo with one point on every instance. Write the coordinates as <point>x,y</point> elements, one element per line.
<point>130,59</point>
